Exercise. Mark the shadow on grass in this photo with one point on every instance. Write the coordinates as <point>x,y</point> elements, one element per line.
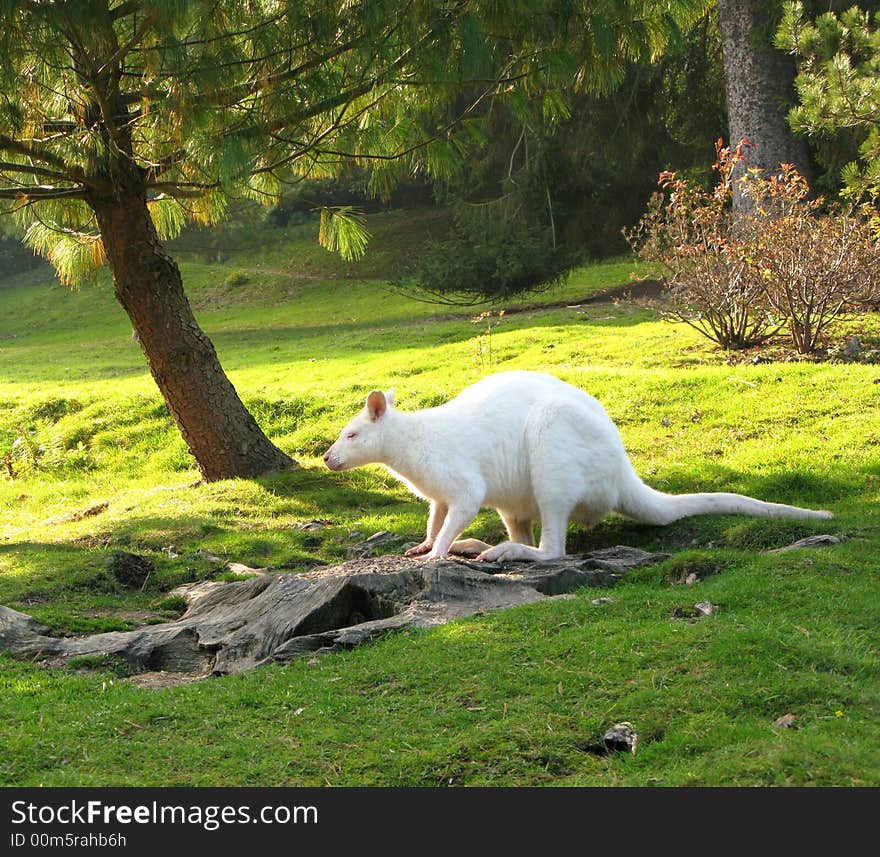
<point>63,581</point>
<point>197,539</point>
<point>796,488</point>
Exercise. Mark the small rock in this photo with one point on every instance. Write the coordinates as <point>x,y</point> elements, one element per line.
<point>605,600</point>
<point>205,554</point>
<point>309,526</point>
<point>785,722</point>
<point>852,349</point>
<point>809,542</point>
<point>367,546</point>
<point>621,738</point>
<point>241,570</point>
<point>700,610</point>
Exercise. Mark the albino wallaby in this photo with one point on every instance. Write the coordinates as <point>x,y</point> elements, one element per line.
<point>530,446</point>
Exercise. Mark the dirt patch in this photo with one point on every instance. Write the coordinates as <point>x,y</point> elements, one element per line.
<point>638,291</point>
<point>71,517</point>
<point>138,617</point>
<point>648,292</point>
<point>159,679</point>
<point>779,349</point>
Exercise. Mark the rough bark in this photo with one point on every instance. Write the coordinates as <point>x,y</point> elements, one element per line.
<point>759,85</point>
<point>234,627</point>
<point>220,432</point>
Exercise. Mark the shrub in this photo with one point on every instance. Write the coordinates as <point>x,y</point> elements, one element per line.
<point>813,265</point>
<point>236,278</point>
<point>688,229</point>
<point>493,260</point>
<point>786,260</point>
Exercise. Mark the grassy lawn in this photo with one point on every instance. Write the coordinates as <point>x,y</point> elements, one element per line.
<point>510,698</point>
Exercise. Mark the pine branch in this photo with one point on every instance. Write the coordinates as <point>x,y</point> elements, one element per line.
<point>28,169</point>
<point>183,190</point>
<point>231,34</point>
<point>245,90</point>
<point>35,193</point>
<point>314,146</point>
<point>123,50</point>
<point>38,153</point>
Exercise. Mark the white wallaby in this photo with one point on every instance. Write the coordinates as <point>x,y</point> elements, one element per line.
<point>530,446</point>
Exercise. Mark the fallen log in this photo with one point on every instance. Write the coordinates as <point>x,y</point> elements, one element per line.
<point>235,627</point>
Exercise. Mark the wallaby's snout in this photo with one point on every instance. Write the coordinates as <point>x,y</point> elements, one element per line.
<point>331,461</point>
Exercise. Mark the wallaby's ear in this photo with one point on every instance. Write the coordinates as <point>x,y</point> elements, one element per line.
<point>389,397</point>
<point>376,404</point>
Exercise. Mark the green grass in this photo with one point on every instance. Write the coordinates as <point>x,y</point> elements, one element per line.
<point>510,698</point>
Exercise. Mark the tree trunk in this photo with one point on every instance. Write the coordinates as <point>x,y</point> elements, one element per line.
<point>759,84</point>
<point>221,434</point>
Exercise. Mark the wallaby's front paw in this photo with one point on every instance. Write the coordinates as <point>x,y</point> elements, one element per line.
<point>419,550</point>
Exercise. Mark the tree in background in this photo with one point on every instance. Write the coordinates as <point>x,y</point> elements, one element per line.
<point>838,86</point>
<point>666,113</point>
<point>559,177</point>
<point>759,84</point>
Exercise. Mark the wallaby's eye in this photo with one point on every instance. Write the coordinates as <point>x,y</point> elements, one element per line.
<point>351,435</point>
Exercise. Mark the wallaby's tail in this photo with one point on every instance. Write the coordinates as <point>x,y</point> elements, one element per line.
<point>644,504</point>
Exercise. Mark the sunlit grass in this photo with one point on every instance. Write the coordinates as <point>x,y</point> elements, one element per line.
<point>510,698</point>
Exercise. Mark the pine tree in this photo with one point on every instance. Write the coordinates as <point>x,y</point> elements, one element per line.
<point>838,85</point>
<point>123,119</point>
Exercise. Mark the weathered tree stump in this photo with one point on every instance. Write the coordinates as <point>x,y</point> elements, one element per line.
<point>235,627</point>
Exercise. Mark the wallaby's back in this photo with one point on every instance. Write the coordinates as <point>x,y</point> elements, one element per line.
<point>489,422</point>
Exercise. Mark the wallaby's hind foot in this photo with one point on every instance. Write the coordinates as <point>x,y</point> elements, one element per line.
<point>511,551</point>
